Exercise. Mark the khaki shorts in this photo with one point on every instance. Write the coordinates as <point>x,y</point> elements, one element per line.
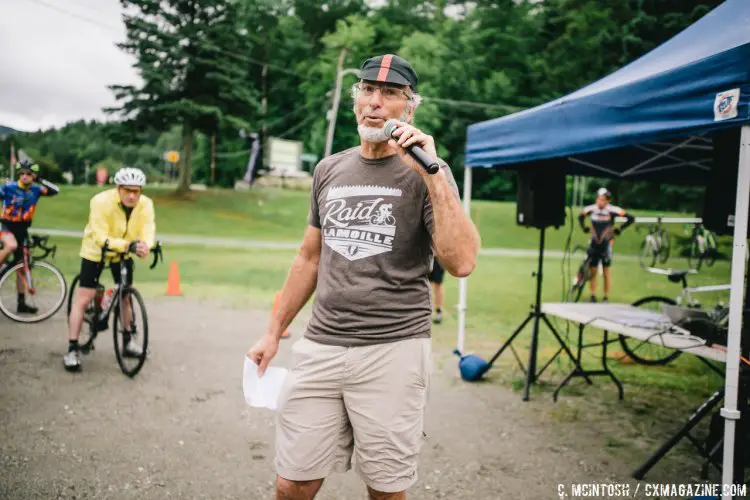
<point>365,402</point>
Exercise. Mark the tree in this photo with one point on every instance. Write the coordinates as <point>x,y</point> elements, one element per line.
<point>187,55</point>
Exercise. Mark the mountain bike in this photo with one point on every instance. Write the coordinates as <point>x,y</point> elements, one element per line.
<point>124,300</point>
<point>43,284</point>
<point>583,275</point>
<point>647,353</point>
<point>703,248</point>
<point>656,246</point>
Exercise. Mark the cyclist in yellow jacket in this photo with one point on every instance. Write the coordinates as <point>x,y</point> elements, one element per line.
<point>124,219</point>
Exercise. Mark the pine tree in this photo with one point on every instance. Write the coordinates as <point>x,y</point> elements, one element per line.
<point>190,59</point>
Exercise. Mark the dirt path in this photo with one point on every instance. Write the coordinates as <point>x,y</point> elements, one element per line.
<point>181,429</point>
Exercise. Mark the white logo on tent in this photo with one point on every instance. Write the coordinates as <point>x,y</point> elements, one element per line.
<point>725,105</point>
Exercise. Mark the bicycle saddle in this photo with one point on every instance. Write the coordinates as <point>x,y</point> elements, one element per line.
<point>677,276</point>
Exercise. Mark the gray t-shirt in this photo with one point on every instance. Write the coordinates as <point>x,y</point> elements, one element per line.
<point>375,218</point>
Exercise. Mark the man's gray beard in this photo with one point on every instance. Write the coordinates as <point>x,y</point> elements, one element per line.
<point>375,134</point>
<point>372,134</point>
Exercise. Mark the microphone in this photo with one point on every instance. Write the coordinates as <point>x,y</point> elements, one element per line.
<point>424,160</point>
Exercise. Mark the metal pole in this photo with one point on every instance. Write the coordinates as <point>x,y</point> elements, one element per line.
<point>729,411</point>
<point>12,173</point>
<point>462,282</point>
<point>336,99</point>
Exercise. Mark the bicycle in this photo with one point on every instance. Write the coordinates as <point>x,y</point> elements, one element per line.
<point>646,353</point>
<point>656,246</point>
<point>583,275</point>
<point>44,284</point>
<point>703,247</point>
<point>96,317</point>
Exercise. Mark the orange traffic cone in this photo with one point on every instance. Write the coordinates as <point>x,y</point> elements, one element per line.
<point>276,299</point>
<point>173,280</point>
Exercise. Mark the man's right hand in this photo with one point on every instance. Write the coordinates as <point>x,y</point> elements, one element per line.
<point>263,352</point>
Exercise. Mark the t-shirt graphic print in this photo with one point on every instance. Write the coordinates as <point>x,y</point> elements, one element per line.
<point>359,221</point>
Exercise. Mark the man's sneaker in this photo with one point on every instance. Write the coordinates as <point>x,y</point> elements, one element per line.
<point>132,350</point>
<point>605,299</point>
<point>438,317</point>
<point>24,308</point>
<point>592,299</point>
<point>72,361</point>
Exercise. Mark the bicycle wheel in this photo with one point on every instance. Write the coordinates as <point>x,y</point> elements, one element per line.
<point>665,246</point>
<point>138,331</point>
<point>46,293</point>
<point>647,256</point>
<point>642,351</point>
<point>89,329</point>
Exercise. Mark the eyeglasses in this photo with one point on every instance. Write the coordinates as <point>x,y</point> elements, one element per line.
<point>26,172</point>
<point>390,93</point>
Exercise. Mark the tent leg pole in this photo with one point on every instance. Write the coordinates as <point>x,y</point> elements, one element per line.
<point>462,282</point>
<point>736,303</point>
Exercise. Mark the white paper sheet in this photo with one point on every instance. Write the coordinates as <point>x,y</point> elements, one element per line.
<point>262,392</point>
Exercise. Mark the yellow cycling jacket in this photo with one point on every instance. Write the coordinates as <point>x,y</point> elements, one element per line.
<point>107,223</point>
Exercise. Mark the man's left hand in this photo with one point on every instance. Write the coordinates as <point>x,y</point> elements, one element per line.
<point>142,249</point>
<point>409,135</point>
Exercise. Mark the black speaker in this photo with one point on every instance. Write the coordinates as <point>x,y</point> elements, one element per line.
<point>721,191</point>
<point>540,199</point>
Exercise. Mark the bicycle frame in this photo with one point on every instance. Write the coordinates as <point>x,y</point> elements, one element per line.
<point>28,244</point>
<point>685,296</point>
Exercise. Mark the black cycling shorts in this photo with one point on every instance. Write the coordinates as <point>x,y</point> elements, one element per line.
<point>90,272</point>
<point>601,252</point>
<point>438,273</point>
<point>20,232</point>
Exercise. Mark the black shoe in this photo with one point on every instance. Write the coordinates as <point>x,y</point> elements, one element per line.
<point>605,299</point>
<point>592,299</point>
<point>24,308</point>
<point>438,318</point>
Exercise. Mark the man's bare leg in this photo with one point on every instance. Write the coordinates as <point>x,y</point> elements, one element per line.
<point>607,281</point>
<point>592,280</point>
<point>379,495</point>
<point>297,490</point>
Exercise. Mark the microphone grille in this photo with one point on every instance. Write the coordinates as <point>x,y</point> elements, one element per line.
<point>390,126</point>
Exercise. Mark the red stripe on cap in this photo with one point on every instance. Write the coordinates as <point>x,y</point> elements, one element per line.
<point>385,65</point>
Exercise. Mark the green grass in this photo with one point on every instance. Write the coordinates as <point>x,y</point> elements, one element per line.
<point>281,215</point>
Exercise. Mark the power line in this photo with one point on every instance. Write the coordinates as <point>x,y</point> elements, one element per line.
<point>258,62</point>
<point>75,15</point>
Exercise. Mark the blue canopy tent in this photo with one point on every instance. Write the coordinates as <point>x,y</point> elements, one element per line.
<point>650,120</point>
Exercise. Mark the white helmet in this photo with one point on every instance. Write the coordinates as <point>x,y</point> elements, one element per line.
<point>130,177</point>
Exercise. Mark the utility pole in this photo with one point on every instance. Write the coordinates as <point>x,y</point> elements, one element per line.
<point>13,160</point>
<point>333,112</point>
<point>213,159</point>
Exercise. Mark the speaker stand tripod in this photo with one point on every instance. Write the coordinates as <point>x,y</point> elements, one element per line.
<point>536,314</point>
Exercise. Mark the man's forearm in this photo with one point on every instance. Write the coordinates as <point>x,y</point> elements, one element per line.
<point>455,238</point>
<point>299,287</point>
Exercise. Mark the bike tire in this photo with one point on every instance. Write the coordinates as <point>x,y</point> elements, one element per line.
<point>43,313</point>
<point>131,371</point>
<point>646,256</point>
<point>660,356</point>
<point>88,335</point>
<point>574,294</point>
<point>666,246</point>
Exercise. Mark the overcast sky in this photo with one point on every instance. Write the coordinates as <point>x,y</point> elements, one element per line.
<point>55,66</point>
